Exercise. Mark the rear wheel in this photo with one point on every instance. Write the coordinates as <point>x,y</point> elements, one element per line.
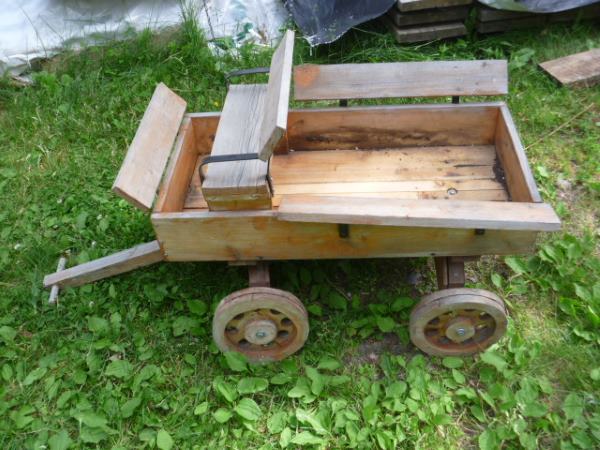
<point>459,321</point>
<point>263,323</point>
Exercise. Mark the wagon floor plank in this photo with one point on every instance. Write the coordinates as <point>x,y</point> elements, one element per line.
<point>441,172</point>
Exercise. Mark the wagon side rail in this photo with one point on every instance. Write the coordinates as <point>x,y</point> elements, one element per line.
<point>401,79</point>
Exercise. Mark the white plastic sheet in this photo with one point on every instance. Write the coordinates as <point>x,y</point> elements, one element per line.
<point>32,29</point>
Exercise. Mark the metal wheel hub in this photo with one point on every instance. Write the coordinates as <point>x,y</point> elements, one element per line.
<point>459,321</point>
<point>460,329</point>
<point>260,332</point>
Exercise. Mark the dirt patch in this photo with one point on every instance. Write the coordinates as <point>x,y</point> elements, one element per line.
<point>370,351</point>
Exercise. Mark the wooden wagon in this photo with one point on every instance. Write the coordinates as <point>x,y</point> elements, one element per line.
<point>258,182</point>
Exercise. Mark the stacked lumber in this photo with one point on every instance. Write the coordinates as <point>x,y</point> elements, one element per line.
<point>490,20</point>
<point>426,20</point>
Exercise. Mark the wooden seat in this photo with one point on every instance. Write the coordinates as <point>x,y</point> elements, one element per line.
<point>253,121</point>
<point>233,183</point>
<point>402,79</point>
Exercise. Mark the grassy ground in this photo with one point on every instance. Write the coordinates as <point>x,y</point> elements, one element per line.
<point>128,362</point>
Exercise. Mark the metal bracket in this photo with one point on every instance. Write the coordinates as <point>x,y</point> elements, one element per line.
<point>244,72</point>
<point>344,230</point>
<point>235,157</point>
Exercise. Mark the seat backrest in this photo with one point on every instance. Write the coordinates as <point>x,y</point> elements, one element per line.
<point>275,108</point>
<point>401,79</point>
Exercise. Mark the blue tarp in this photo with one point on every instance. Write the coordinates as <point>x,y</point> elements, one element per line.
<point>324,21</point>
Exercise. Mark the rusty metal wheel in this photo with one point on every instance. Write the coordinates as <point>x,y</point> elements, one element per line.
<point>454,322</point>
<point>263,323</point>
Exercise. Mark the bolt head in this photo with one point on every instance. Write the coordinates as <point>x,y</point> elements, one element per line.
<point>461,331</point>
<point>261,334</point>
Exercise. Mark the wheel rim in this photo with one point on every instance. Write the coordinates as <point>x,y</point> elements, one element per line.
<point>265,324</point>
<point>457,321</point>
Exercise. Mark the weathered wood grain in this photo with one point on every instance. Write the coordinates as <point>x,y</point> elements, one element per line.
<point>426,33</point>
<point>579,70</point>
<point>371,127</point>
<point>419,213</point>
<point>466,173</point>
<point>428,16</point>
<point>179,171</point>
<point>519,179</point>
<point>277,97</point>
<point>486,14</point>
<point>512,24</point>
<point>415,5</point>
<point>144,163</point>
<point>403,79</point>
<point>238,132</point>
<point>115,264</point>
<point>259,235</point>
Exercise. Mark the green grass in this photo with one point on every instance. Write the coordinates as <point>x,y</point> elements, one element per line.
<point>129,363</point>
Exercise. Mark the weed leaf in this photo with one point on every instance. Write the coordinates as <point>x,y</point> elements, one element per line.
<point>307,438</point>
<point>251,385</point>
<point>164,441</point>
<point>60,441</point>
<point>248,409</point>
<point>236,361</point>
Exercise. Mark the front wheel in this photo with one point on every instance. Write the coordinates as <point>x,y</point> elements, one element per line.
<point>457,322</point>
<point>265,324</point>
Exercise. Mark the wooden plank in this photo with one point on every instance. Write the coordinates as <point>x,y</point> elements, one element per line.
<point>259,235</point>
<point>419,213</point>
<point>584,13</point>
<point>179,171</point>
<point>438,15</point>
<point>580,69</point>
<point>115,264</point>
<point>195,202</point>
<point>277,98</point>
<point>237,133</point>
<point>486,14</point>
<point>428,33</point>
<point>415,5</point>
<point>430,163</point>
<point>404,79</point>
<point>143,166</point>
<point>428,172</point>
<point>205,128</point>
<point>513,24</point>
<point>519,179</point>
<point>392,126</point>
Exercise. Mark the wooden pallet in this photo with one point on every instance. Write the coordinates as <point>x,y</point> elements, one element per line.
<point>425,20</point>
<point>490,20</point>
